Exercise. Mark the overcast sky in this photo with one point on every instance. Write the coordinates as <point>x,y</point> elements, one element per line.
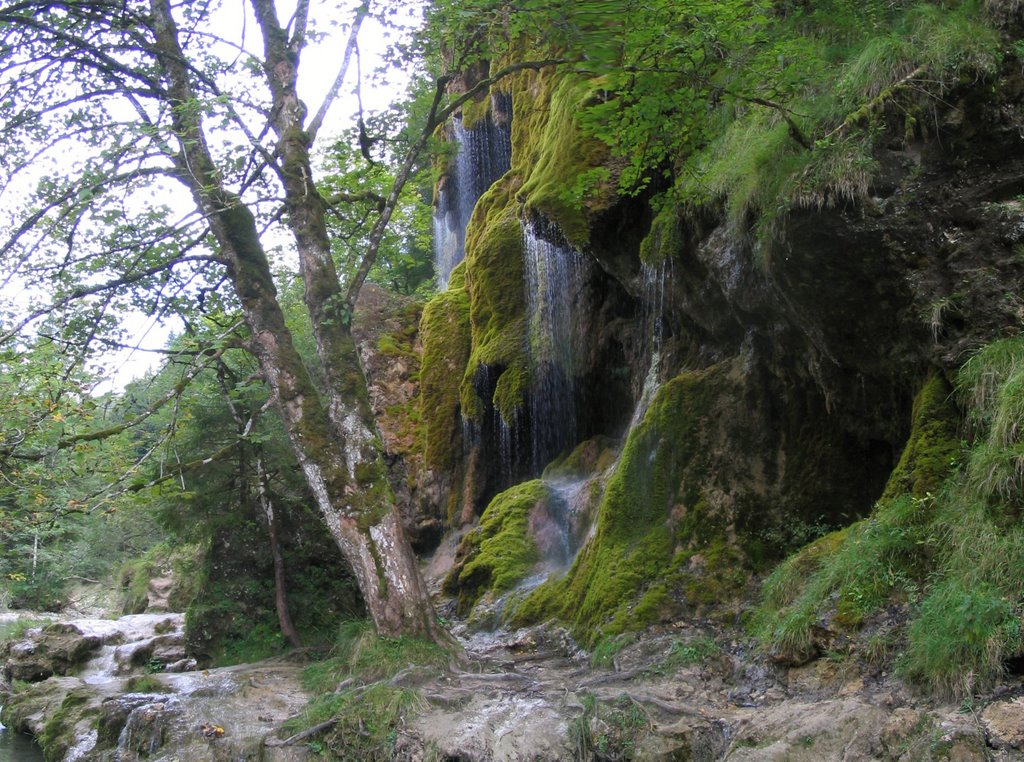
<point>320,63</point>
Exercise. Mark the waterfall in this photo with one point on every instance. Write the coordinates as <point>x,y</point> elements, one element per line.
<point>555,274</point>
<point>653,299</point>
<point>567,508</point>
<point>483,154</point>
<point>558,526</point>
<point>508,446</point>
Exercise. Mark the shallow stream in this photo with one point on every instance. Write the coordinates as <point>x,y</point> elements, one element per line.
<point>18,747</point>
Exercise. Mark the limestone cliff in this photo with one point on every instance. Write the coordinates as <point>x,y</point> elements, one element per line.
<point>787,356</point>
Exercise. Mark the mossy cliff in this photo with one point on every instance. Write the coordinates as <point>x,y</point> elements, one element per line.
<point>619,580</point>
<point>445,336</point>
<point>551,160</point>
<point>830,586</point>
<point>811,314</point>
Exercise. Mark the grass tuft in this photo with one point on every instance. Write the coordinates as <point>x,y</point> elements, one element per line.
<point>353,687</point>
<point>954,557</point>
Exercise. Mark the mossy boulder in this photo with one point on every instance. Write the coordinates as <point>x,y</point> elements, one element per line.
<point>500,552</point>
<point>57,650</point>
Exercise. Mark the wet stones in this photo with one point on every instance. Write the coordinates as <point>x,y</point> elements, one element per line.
<point>53,650</point>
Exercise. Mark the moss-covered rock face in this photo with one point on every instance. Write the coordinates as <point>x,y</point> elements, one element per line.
<point>711,487</point>
<point>793,366</point>
<point>500,552</point>
<point>444,332</point>
<point>565,179</point>
<point>933,446</point>
<point>551,163</point>
<point>497,299</point>
<point>833,584</point>
<point>618,581</point>
<point>58,712</point>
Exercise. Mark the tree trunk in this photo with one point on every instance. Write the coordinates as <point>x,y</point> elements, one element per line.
<point>333,440</point>
<point>284,617</point>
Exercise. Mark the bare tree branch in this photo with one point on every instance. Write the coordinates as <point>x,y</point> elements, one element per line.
<point>318,119</point>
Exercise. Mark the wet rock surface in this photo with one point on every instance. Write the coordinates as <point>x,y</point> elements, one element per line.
<point>686,692</point>
<point>54,649</point>
<point>133,698</point>
<point>677,691</point>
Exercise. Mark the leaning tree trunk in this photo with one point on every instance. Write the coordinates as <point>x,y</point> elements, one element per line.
<point>333,440</point>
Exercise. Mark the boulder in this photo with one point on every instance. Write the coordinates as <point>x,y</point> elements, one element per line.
<point>55,650</point>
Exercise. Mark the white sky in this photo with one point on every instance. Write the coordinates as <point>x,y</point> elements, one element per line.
<point>319,66</point>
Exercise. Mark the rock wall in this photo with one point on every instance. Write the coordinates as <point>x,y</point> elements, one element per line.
<point>788,368</point>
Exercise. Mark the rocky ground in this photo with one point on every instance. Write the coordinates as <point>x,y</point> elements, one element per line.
<point>123,689</point>
<point>683,692</point>
<point>678,692</point>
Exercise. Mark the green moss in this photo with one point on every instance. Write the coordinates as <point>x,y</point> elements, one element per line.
<point>591,456</point>
<point>457,277</point>
<point>551,163</point>
<point>386,345</point>
<point>444,331</point>
<point>497,299</point>
<point>369,472</point>
<point>720,576</point>
<point>146,684</point>
<point>564,173</point>
<point>474,110</point>
<point>933,445</point>
<point>850,574</point>
<point>619,581</point>
<point>500,552</point>
<point>58,734</point>
<point>510,391</point>
<point>665,238</point>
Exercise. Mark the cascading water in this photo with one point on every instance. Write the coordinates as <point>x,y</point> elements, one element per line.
<point>654,296</point>
<point>555,274</point>
<point>567,510</point>
<point>239,706</point>
<point>484,153</point>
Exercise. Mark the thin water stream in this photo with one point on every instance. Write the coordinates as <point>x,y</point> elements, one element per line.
<point>555,274</point>
<point>483,154</point>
